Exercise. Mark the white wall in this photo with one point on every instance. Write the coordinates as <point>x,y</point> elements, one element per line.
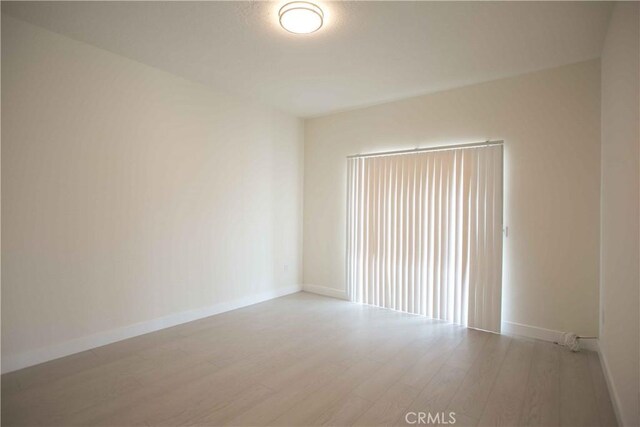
<point>550,122</point>
<point>130,195</point>
<point>620,254</point>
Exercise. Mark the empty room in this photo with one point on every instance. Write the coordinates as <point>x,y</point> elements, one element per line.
<point>300,213</point>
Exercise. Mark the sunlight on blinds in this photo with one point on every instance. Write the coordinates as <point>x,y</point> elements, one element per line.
<point>424,234</point>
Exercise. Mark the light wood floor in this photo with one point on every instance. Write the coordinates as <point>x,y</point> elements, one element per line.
<point>309,360</point>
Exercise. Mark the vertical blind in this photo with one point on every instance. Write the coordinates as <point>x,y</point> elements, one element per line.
<point>424,233</point>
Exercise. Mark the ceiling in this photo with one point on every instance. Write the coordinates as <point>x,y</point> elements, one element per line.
<point>367,52</point>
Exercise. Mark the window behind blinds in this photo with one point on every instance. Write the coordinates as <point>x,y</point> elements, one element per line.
<point>424,233</point>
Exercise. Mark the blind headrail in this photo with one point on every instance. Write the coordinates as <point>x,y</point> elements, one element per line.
<point>419,150</point>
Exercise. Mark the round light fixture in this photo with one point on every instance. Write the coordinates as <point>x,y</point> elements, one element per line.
<point>301,17</point>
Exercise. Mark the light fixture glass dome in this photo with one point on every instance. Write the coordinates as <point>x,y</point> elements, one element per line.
<point>301,17</point>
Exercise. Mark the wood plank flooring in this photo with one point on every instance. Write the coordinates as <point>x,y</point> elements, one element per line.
<point>306,360</point>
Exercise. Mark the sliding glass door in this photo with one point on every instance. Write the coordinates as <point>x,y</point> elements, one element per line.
<point>424,233</point>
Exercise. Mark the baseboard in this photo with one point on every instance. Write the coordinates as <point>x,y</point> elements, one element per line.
<point>615,401</point>
<point>513,328</point>
<point>45,354</point>
<point>323,290</point>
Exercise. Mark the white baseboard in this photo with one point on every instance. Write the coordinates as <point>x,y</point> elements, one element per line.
<point>615,400</point>
<point>323,290</point>
<point>513,328</point>
<point>17,361</point>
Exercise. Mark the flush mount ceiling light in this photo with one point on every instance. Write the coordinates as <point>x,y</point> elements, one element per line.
<point>301,17</point>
